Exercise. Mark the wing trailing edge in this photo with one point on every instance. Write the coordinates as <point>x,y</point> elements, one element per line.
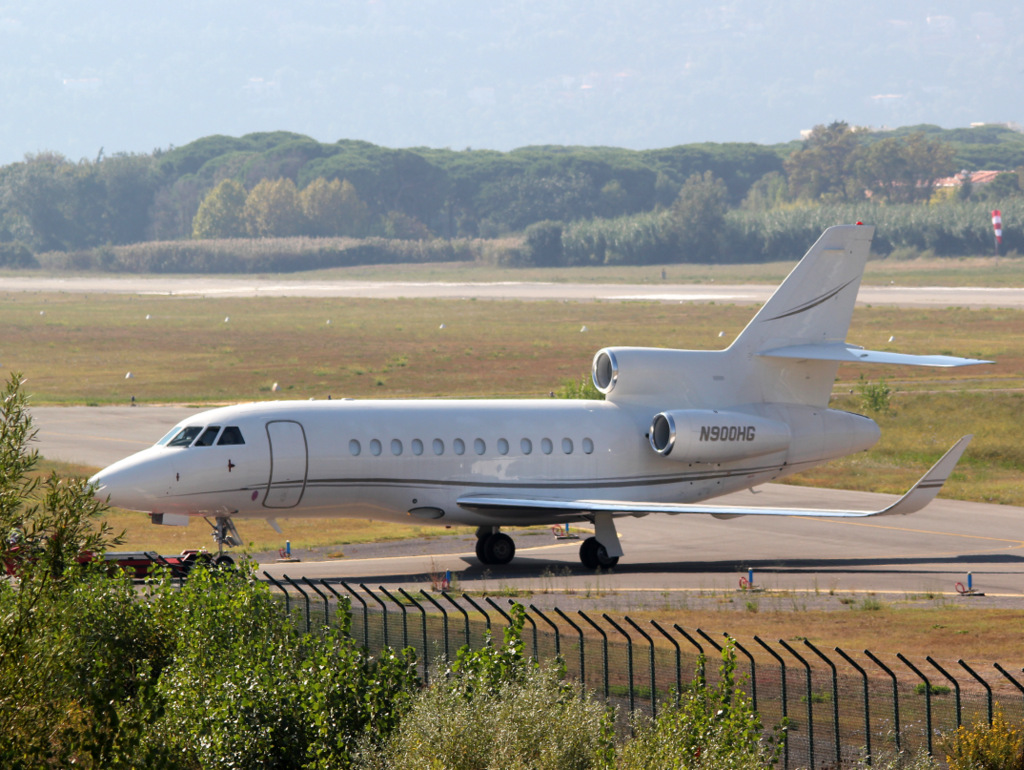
<point>549,509</point>
<point>845,353</point>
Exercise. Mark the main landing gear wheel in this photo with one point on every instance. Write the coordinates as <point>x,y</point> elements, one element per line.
<point>496,548</point>
<point>594,555</point>
<point>499,548</point>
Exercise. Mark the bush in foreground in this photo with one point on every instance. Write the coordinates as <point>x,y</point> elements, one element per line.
<point>497,709</point>
<point>711,727</point>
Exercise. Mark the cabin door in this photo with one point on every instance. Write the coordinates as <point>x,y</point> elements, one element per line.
<point>288,464</point>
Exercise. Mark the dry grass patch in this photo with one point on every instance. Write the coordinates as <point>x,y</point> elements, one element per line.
<point>945,632</point>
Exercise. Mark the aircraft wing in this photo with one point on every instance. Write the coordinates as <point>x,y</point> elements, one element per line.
<point>922,493</point>
<point>845,353</point>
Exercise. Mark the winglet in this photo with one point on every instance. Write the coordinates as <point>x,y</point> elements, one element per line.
<point>925,490</point>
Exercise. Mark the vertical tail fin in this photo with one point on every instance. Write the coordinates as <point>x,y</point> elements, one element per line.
<point>813,305</point>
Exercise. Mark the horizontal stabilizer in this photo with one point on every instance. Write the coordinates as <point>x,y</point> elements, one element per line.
<point>552,509</point>
<point>852,354</point>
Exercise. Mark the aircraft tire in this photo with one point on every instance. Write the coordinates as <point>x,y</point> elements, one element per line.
<point>225,561</point>
<point>588,552</point>
<point>499,548</point>
<point>593,555</point>
<point>481,549</point>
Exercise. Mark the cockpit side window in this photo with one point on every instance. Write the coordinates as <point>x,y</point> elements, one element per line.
<point>208,437</point>
<point>186,436</point>
<point>231,436</point>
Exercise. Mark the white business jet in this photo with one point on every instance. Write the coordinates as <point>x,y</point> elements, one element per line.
<point>675,428</point>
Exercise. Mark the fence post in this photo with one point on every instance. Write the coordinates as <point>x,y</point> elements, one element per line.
<point>867,708</point>
<point>604,646</point>
<point>366,613</point>
<point>478,608</point>
<point>956,687</point>
<point>426,650</point>
<point>287,597</point>
<point>810,699</point>
<point>654,688</point>
<point>895,697</point>
<point>583,669</point>
<point>927,697</point>
<point>700,651</point>
<point>322,595</point>
<point>405,622</point>
<point>460,608</point>
<point>709,640</point>
<point>753,676</point>
<point>344,606</point>
<point>1006,673</point>
<point>785,699</point>
<point>835,700</point>
<point>629,659</point>
<point>984,684</point>
<point>384,612</point>
<point>304,596</point>
<point>444,623</point>
<point>508,618</point>
<point>558,639</point>
<point>533,625</point>
<point>679,661</point>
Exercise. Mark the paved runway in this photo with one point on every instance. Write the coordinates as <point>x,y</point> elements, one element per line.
<point>928,552</point>
<point>245,286</point>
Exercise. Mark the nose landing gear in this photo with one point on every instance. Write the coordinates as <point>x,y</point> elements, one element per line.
<point>224,534</point>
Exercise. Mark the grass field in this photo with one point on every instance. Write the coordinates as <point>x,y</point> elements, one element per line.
<point>80,349</point>
<point>948,271</point>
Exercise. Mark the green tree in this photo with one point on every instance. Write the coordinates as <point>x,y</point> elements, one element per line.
<point>221,214</point>
<point>768,192</point>
<point>698,218</point>
<point>52,704</point>
<point>333,208</point>
<point>544,244</point>
<point>272,210</point>
<point>903,169</point>
<point>824,167</point>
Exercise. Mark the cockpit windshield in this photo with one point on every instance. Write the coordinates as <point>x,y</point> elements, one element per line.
<point>207,436</point>
<point>186,436</point>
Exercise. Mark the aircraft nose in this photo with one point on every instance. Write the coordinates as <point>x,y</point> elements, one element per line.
<point>135,483</point>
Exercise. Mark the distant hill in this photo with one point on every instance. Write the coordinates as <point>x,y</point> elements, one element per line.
<point>128,76</point>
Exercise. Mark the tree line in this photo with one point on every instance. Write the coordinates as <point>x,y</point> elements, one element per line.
<point>279,184</point>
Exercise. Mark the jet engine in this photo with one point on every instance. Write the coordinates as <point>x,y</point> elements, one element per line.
<point>713,435</point>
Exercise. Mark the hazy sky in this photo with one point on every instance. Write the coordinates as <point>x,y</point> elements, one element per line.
<point>131,76</point>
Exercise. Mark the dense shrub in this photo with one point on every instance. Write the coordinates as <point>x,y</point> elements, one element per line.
<point>983,746</point>
<point>496,709</point>
<point>258,255</point>
<point>711,727</point>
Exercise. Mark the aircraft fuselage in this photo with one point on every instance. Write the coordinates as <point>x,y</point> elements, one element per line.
<point>398,460</point>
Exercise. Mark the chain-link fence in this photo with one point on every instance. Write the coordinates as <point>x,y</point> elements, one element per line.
<point>840,706</point>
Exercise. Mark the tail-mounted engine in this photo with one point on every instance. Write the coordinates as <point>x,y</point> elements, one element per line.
<point>711,435</point>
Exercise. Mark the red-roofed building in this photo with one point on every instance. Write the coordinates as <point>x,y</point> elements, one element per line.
<point>976,178</point>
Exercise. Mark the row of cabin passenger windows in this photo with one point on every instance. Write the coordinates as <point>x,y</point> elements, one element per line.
<point>197,435</point>
<point>458,446</point>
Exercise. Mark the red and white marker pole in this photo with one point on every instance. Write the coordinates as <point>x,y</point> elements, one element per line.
<point>997,227</point>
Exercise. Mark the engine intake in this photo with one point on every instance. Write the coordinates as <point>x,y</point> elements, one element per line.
<point>711,435</point>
